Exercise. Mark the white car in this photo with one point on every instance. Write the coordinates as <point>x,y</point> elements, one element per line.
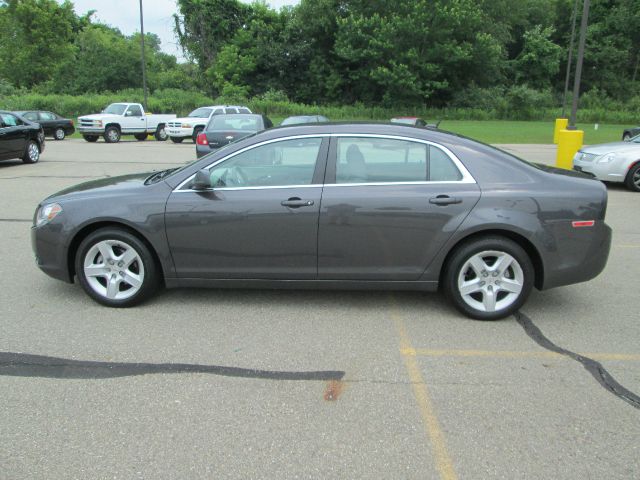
<point>612,162</point>
<point>194,123</point>
<point>123,119</point>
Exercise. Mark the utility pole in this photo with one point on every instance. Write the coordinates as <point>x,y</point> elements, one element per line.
<point>144,63</point>
<point>571,42</point>
<point>576,81</point>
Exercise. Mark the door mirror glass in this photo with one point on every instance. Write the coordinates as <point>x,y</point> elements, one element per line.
<point>202,180</point>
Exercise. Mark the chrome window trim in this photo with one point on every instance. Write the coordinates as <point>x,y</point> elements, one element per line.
<point>466,176</point>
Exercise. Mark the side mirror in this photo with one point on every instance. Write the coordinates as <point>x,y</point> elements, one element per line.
<point>202,181</point>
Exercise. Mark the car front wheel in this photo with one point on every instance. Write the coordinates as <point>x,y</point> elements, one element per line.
<point>116,268</point>
<point>489,278</point>
<point>633,178</point>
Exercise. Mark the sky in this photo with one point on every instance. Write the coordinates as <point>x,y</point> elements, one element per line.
<point>158,17</point>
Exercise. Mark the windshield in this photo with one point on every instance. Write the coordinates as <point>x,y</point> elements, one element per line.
<point>115,109</point>
<point>201,113</point>
<point>235,122</point>
<point>635,139</point>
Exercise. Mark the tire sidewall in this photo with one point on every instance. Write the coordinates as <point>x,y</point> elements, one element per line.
<point>629,180</point>
<point>59,137</point>
<point>466,251</point>
<point>159,137</point>
<point>106,135</point>
<point>196,132</point>
<point>151,277</point>
<point>26,158</point>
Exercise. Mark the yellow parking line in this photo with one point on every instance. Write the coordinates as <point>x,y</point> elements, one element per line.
<point>407,351</point>
<point>443,461</point>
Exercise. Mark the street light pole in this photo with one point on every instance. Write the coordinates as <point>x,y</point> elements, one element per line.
<point>571,42</point>
<point>576,81</point>
<point>144,63</point>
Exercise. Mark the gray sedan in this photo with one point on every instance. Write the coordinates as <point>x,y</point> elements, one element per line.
<point>340,206</point>
<point>612,162</point>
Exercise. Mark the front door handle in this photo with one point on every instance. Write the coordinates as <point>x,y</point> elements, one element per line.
<point>444,200</point>
<point>296,202</point>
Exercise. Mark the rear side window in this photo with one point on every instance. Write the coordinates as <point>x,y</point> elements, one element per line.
<point>134,111</point>
<point>47,116</point>
<point>382,160</point>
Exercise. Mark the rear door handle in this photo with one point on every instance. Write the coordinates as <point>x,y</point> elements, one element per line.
<point>295,202</point>
<point>444,200</point>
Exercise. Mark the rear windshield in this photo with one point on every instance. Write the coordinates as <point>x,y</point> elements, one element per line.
<point>201,113</point>
<point>235,122</point>
<point>301,119</point>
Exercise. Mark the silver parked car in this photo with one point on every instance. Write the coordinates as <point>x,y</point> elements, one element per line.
<point>612,162</point>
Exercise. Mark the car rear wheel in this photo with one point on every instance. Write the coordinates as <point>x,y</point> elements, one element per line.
<point>116,268</point>
<point>489,278</point>
<point>31,152</point>
<point>177,139</point>
<point>633,178</point>
<point>112,135</point>
<point>196,132</point>
<point>141,137</point>
<point>59,134</point>
<point>90,138</point>
<point>161,134</point>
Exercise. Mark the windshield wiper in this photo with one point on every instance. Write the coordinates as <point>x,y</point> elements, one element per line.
<point>157,176</point>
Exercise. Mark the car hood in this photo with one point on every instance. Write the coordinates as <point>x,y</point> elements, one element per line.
<point>104,186</point>
<point>191,119</point>
<point>98,116</point>
<point>603,148</point>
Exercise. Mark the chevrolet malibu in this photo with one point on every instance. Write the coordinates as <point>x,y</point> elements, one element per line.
<point>338,206</point>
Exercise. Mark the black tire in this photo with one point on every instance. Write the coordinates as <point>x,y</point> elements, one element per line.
<point>632,181</point>
<point>119,237</point>
<point>161,134</point>
<point>196,132</point>
<point>59,134</point>
<point>464,253</point>
<point>90,138</point>
<point>141,137</point>
<point>31,152</point>
<point>177,139</point>
<point>112,135</point>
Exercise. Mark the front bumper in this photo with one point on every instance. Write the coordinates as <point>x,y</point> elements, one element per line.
<point>607,172</point>
<point>179,132</point>
<point>50,252</point>
<point>91,130</point>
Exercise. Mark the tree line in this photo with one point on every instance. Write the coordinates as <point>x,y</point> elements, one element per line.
<point>487,54</point>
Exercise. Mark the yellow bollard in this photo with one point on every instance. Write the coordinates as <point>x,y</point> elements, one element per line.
<point>561,124</point>
<point>569,142</point>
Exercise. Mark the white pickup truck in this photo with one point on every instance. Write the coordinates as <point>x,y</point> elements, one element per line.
<point>123,119</point>
<point>194,123</point>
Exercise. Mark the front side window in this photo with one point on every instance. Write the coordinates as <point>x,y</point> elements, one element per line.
<point>382,160</point>
<point>134,111</point>
<point>284,163</point>
<point>33,116</point>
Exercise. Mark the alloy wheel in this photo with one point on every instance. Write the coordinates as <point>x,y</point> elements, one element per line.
<point>114,269</point>
<point>490,281</point>
<point>33,152</point>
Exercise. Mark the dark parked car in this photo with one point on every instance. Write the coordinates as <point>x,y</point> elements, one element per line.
<point>300,119</point>
<point>20,138</point>
<point>629,133</point>
<point>53,124</point>
<point>224,129</point>
<point>343,206</point>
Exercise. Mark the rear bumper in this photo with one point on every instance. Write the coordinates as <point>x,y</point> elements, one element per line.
<point>580,256</point>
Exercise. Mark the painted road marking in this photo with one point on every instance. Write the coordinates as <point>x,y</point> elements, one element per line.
<point>444,464</point>
<point>408,351</point>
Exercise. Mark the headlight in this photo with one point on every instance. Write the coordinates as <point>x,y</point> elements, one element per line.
<point>46,213</point>
<point>186,125</point>
<point>99,123</point>
<point>608,158</point>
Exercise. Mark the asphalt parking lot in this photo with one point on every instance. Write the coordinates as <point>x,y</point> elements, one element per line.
<point>303,384</point>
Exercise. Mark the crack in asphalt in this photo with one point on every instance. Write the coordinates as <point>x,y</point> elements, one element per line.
<point>27,365</point>
<point>597,371</point>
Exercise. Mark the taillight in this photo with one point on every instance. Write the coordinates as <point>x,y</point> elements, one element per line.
<point>202,139</point>
<point>583,223</point>
<point>72,124</point>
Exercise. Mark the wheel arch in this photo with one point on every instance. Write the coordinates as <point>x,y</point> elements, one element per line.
<point>522,241</point>
<point>113,124</point>
<point>86,230</point>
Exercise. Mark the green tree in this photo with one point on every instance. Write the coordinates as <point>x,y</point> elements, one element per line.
<point>539,59</point>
